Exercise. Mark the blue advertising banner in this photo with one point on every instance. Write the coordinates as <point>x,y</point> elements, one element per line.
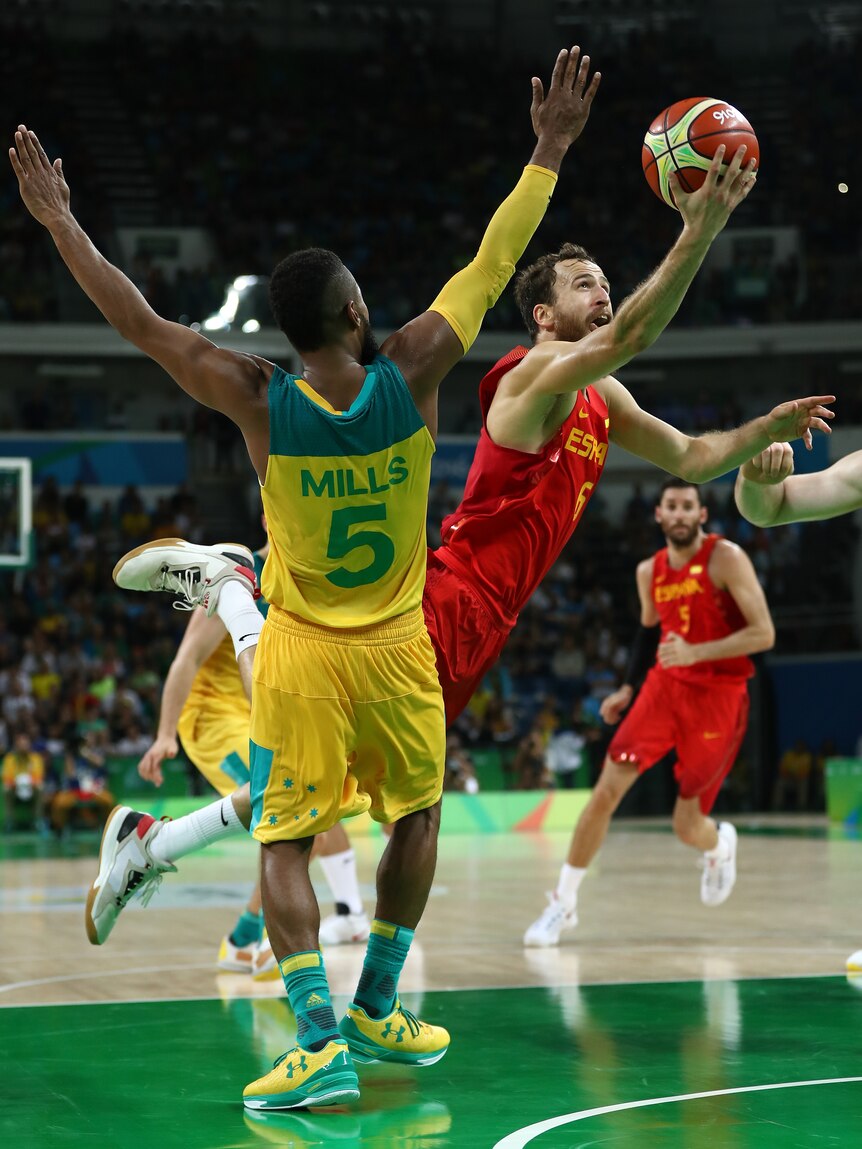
<point>102,460</point>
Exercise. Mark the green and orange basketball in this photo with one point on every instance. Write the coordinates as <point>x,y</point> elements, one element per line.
<point>684,137</point>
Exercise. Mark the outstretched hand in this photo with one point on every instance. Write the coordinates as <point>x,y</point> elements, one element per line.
<point>771,466</point>
<point>709,208</point>
<point>41,183</point>
<point>798,418</point>
<point>560,116</point>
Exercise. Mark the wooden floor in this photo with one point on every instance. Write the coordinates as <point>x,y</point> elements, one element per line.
<point>795,912</point>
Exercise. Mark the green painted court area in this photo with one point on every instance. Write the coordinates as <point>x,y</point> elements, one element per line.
<point>169,1075</point>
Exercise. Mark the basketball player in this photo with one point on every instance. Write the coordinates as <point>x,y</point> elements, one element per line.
<point>347,710</point>
<point>768,494</point>
<point>204,703</point>
<point>704,611</point>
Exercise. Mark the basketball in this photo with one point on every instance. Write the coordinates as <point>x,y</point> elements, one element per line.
<point>684,137</point>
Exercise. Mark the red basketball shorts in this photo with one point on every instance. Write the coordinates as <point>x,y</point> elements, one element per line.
<point>704,722</point>
<point>465,637</point>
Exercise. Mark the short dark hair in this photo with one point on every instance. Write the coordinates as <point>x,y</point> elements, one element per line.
<point>307,293</point>
<point>673,483</point>
<point>537,283</point>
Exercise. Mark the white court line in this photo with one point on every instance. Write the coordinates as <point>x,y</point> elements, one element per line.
<point>522,1137</point>
<point>96,974</point>
<point>10,986</point>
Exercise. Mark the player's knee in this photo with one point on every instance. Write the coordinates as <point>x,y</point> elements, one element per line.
<point>425,823</point>
<point>613,784</point>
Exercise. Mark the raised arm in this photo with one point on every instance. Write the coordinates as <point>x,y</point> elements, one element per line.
<point>769,494</point>
<point>228,381</point>
<point>427,348</point>
<point>732,570</point>
<point>703,457</point>
<point>201,639</point>
<point>557,368</point>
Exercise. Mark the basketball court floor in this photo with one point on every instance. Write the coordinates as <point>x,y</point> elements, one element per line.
<point>658,1023</point>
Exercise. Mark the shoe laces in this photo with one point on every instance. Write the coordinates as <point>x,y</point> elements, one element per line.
<point>153,877</point>
<point>412,1020</point>
<point>554,911</point>
<point>185,582</point>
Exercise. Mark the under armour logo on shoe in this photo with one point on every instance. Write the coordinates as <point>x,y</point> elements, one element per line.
<point>315,999</point>
<point>388,1031</point>
<point>299,1067</point>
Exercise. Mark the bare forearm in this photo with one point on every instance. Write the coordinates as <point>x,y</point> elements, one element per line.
<point>549,153</point>
<point>645,313</point>
<point>177,688</point>
<point>707,456</point>
<point>112,292</point>
<point>760,503</point>
<point>749,640</point>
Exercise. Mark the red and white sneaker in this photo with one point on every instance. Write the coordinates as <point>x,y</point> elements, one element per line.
<point>719,873</point>
<point>193,571</point>
<point>553,920</point>
<point>127,870</point>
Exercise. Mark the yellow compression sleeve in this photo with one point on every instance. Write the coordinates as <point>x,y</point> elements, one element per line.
<point>477,287</point>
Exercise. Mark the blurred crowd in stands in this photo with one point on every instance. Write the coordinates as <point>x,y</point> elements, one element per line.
<point>82,663</point>
<point>396,159</point>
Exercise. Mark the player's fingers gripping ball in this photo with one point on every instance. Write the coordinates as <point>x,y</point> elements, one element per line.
<point>683,138</point>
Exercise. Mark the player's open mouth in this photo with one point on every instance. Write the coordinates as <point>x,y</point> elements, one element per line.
<point>601,320</point>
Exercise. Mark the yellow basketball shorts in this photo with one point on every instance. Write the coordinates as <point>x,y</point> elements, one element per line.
<point>215,738</point>
<point>343,721</point>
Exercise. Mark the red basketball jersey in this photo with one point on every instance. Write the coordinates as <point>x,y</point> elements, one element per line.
<point>519,509</point>
<point>691,605</point>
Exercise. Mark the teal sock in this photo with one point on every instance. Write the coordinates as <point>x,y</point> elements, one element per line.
<point>388,947</point>
<point>247,930</point>
<point>305,981</point>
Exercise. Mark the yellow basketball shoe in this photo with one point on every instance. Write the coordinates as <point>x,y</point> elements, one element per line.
<point>400,1037</point>
<point>235,959</point>
<point>300,1079</point>
<point>264,967</point>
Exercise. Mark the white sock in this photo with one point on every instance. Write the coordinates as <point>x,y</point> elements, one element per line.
<point>567,886</point>
<point>192,832</point>
<point>342,879</point>
<point>236,609</point>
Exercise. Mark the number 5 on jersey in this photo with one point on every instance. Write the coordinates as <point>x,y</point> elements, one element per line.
<point>342,542</point>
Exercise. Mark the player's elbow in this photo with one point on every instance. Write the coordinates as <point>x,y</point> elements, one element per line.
<point>693,470</point>
<point>767,637</point>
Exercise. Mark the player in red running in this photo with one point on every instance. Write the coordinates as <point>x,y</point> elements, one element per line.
<point>704,611</point>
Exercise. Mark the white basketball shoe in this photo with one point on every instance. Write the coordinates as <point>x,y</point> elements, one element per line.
<point>127,870</point>
<point>854,962</point>
<point>344,929</point>
<point>194,572</point>
<point>719,874</point>
<point>546,929</point>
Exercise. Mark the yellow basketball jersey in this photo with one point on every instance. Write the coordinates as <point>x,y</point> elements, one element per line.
<point>345,500</point>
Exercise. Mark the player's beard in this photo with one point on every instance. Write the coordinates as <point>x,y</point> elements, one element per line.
<point>682,536</point>
<point>570,328</point>
<point>370,346</point>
